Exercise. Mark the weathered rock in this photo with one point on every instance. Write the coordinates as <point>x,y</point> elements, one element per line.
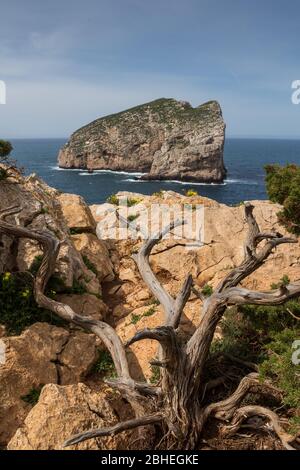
<point>41,210</point>
<point>85,304</point>
<point>166,139</point>
<point>62,412</point>
<point>97,254</point>
<point>224,235</point>
<point>42,354</point>
<point>76,213</point>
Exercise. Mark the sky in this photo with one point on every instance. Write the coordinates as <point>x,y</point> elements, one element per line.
<point>68,62</point>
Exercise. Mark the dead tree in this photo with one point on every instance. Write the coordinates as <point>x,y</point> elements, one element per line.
<point>177,405</point>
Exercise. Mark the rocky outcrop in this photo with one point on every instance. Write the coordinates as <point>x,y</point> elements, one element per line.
<point>132,304</point>
<point>62,412</point>
<point>166,139</point>
<point>42,354</point>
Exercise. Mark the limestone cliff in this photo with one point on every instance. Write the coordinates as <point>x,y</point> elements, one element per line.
<point>165,139</point>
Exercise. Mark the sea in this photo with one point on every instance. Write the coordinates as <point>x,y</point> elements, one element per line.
<point>244,159</point>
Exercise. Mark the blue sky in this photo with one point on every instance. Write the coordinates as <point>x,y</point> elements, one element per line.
<point>68,62</point>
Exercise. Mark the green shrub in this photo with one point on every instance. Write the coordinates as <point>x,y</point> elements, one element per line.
<point>132,217</point>
<point>191,193</point>
<point>265,335</point>
<point>5,149</point>
<point>113,199</point>
<point>207,290</point>
<point>3,174</point>
<point>283,186</point>
<point>155,374</point>
<point>280,368</point>
<point>131,201</point>
<point>18,308</point>
<point>135,318</point>
<point>105,364</point>
<point>284,281</point>
<point>33,396</point>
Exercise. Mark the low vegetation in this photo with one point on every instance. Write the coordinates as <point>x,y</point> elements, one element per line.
<point>283,187</point>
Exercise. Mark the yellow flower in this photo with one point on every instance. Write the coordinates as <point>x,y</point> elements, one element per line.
<point>26,293</point>
<point>6,276</point>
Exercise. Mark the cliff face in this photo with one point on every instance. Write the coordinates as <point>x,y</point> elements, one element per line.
<point>165,139</point>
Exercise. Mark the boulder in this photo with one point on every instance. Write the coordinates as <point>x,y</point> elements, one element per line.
<point>63,411</point>
<point>42,354</point>
<point>96,254</point>
<point>76,213</point>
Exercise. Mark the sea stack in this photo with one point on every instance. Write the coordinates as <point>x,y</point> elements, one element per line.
<point>165,139</point>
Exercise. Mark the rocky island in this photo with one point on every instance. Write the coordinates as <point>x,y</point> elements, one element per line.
<point>164,139</point>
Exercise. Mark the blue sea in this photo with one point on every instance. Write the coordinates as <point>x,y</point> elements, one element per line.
<point>244,158</point>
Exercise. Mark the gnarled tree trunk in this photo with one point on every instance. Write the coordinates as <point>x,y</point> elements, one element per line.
<point>177,404</point>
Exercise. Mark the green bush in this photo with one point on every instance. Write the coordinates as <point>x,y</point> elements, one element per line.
<point>191,193</point>
<point>5,149</point>
<point>18,308</point>
<point>265,336</point>
<point>155,375</point>
<point>33,396</point>
<point>105,365</point>
<point>207,290</point>
<point>3,174</point>
<point>283,186</point>
<point>280,368</point>
<point>113,199</point>
<point>132,217</point>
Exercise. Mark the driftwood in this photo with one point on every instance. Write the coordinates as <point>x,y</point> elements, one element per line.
<point>177,405</point>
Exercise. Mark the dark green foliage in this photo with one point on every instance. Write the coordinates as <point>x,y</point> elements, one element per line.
<point>239,338</point>
<point>283,186</point>
<point>207,290</point>
<point>113,199</point>
<point>279,366</point>
<point>284,281</point>
<point>105,365</point>
<point>18,308</point>
<point>75,231</point>
<point>265,335</point>
<point>148,313</point>
<point>33,396</point>
<point>155,376</point>
<point>135,318</point>
<point>5,149</point>
<point>3,174</point>
<point>55,283</point>
<point>132,217</point>
<point>91,266</point>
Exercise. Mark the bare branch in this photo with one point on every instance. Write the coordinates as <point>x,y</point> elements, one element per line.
<point>253,258</point>
<point>180,302</point>
<point>143,388</point>
<point>241,296</point>
<point>113,430</point>
<point>173,308</point>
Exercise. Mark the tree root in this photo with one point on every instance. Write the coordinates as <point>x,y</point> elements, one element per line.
<point>274,423</point>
